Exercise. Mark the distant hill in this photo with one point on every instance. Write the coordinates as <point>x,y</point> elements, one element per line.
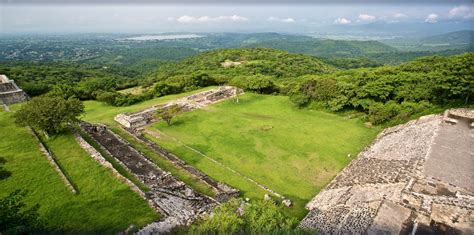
<point>326,47</point>
<point>247,61</point>
<point>458,40</point>
<point>454,40</point>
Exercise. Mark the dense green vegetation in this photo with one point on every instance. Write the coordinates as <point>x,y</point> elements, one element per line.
<point>385,93</point>
<point>39,78</point>
<point>103,204</point>
<point>270,62</point>
<point>254,69</point>
<point>292,151</point>
<point>393,93</point>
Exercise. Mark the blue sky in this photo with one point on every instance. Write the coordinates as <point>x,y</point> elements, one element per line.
<point>281,17</point>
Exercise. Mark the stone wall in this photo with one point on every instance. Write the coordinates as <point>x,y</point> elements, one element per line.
<point>10,93</point>
<point>13,97</point>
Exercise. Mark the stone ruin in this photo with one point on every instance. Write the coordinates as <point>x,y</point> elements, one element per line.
<point>10,93</point>
<point>178,203</point>
<point>195,101</point>
<point>223,192</point>
<point>229,63</point>
<point>414,178</point>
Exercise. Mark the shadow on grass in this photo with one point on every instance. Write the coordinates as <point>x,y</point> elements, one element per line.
<point>3,173</point>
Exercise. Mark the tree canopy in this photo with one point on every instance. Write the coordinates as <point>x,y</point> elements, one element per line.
<point>49,113</point>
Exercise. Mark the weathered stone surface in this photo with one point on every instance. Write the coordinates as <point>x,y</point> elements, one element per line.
<point>223,191</point>
<point>413,177</point>
<point>388,219</point>
<point>287,202</point>
<point>177,202</point>
<point>10,93</point>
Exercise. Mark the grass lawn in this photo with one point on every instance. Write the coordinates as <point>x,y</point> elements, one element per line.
<point>103,203</point>
<point>293,152</point>
<point>98,112</point>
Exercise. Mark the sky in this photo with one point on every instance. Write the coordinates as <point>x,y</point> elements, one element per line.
<point>284,16</point>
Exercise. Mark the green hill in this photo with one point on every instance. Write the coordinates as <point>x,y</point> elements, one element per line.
<point>454,40</point>
<point>229,63</point>
<point>325,47</point>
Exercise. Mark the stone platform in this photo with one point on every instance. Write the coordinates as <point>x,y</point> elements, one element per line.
<point>195,101</point>
<point>414,178</point>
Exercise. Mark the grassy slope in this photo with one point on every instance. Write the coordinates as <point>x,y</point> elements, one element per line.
<point>103,203</point>
<point>98,112</point>
<point>294,152</point>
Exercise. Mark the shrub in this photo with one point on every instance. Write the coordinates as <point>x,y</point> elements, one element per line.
<point>260,84</point>
<point>379,113</point>
<point>257,217</point>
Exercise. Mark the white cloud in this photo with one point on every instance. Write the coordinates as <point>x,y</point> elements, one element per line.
<point>342,20</point>
<point>432,18</point>
<point>461,12</point>
<point>366,17</point>
<point>204,19</point>
<point>399,15</point>
<point>286,20</point>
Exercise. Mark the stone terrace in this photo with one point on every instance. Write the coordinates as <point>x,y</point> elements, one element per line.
<point>10,93</point>
<point>195,101</point>
<point>177,202</point>
<point>417,177</point>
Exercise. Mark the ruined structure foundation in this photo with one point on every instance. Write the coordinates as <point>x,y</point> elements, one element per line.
<point>10,93</point>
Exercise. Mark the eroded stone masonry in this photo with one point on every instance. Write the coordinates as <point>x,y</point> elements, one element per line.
<point>414,178</point>
<point>178,203</point>
<point>195,101</point>
<point>10,93</point>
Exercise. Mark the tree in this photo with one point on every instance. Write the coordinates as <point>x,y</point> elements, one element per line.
<point>108,97</point>
<point>49,114</point>
<point>260,84</point>
<point>14,218</point>
<point>168,113</point>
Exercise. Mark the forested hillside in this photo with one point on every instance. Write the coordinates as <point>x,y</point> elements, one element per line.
<point>393,92</point>
<point>251,61</point>
<point>458,40</point>
<point>39,78</point>
<point>384,93</point>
